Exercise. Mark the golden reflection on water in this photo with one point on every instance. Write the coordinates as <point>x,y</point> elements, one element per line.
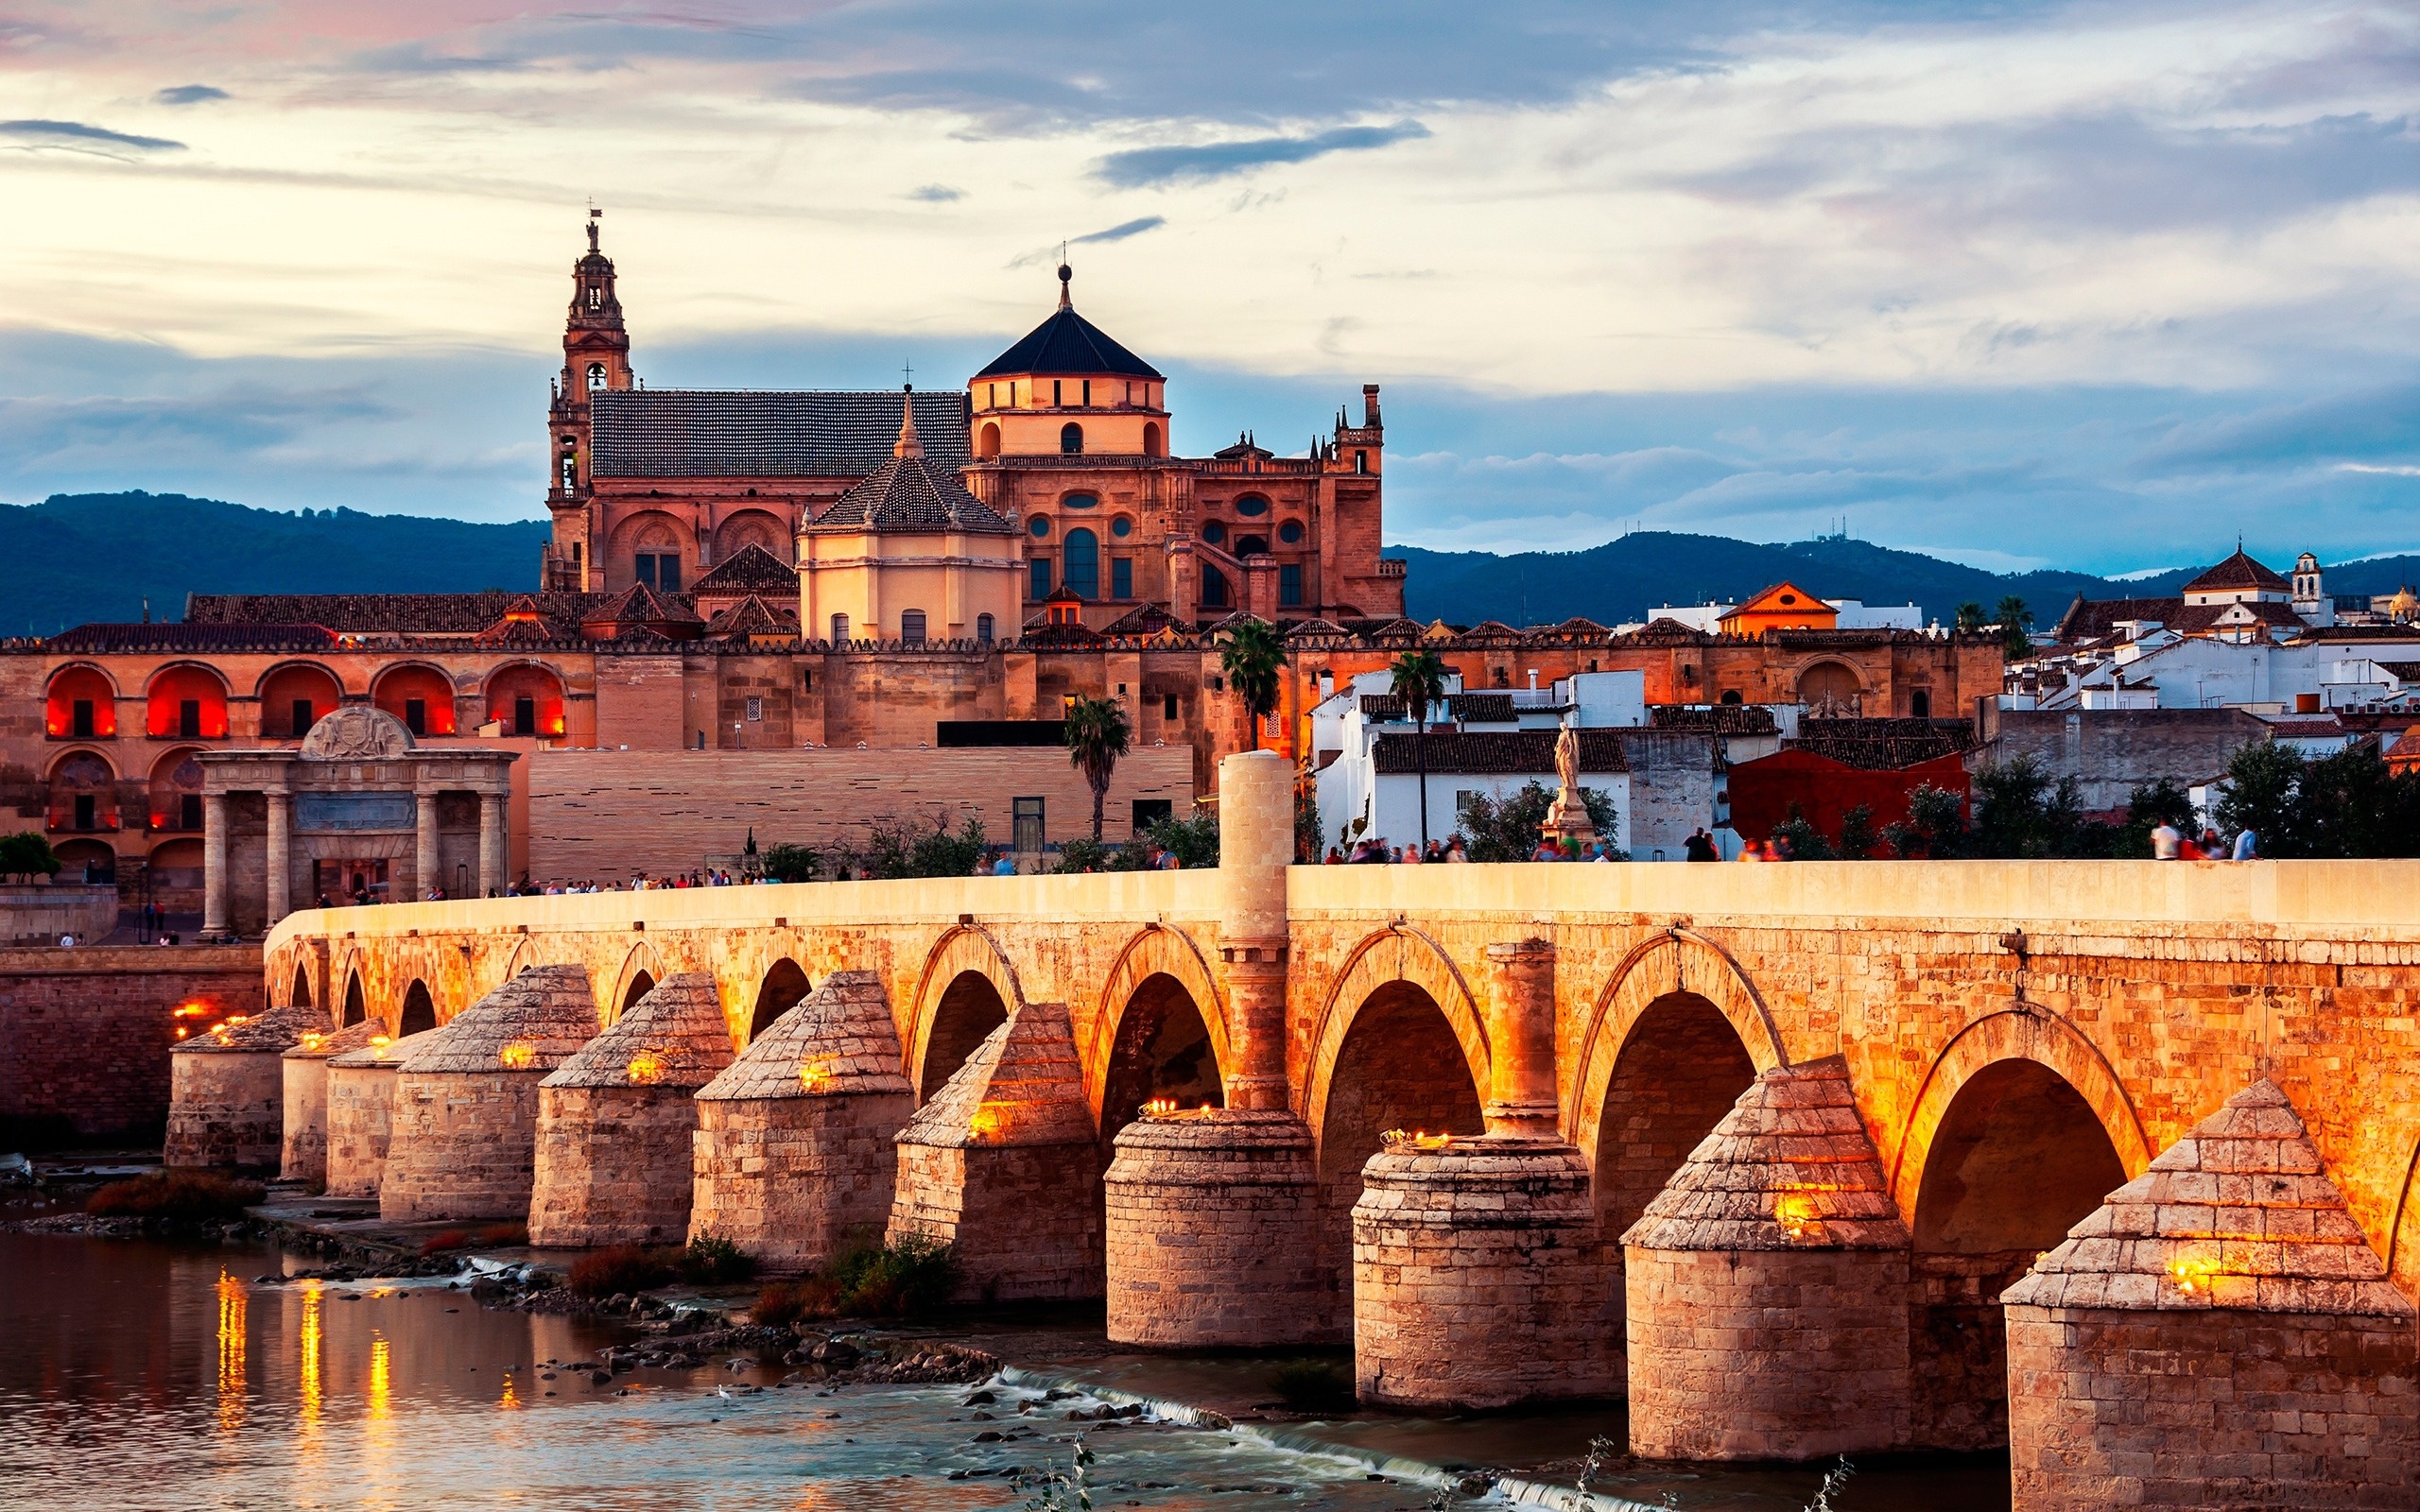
<point>381,1390</point>
<point>308,1337</point>
<point>510,1399</point>
<point>232,1305</point>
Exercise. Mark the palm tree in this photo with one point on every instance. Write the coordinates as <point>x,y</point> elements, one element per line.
<point>2012,618</point>
<point>1970,616</point>
<point>1420,681</point>
<point>1251,660</point>
<point>1097,735</point>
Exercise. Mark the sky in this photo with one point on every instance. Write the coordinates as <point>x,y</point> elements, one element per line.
<point>2093,285</point>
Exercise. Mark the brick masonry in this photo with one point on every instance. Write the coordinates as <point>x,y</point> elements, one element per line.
<point>227,1103</point>
<point>303,1155</point>
<point>85,1034</point>
<point>361,1095</point>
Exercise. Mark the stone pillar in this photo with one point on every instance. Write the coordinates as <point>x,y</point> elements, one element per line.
<point>491,852</point>
<point>281,845</point>
<point>1520,1033</point>
<point>424,845</point>
<point>1213,1215</point>
<point>214,866</point>
<point>2218,1333</point>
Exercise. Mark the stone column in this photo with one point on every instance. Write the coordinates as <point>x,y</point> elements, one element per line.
<point>424,845</point>
<point>1213,1213</point>
<point>281,844</point>
<point>1477,1275</point>
<point>491,852</point>
<point>214,865</point>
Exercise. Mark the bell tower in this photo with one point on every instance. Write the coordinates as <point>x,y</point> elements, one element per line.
<point>596,357</point>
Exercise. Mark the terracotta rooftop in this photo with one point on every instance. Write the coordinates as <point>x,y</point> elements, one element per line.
<point>705,433</point>
<point>753,616</point>
<point>641,605</point>
<point>1021,1085</point>
<point>275,1029</point>
<point>838,1039</point>
<point>534,1022</point>
<point>1487,708</point>
<point>750,570</point>
<point>912,493</point>
<point>1714,718</point>
<point>1496,753</point>
<point>1883,745</point>
<point>2238,1213</point>
<point>675,1038</point>
<point>1789,1167</point>
<point>2237,572</point>
<point>372,613</point>
<point>250,636</point>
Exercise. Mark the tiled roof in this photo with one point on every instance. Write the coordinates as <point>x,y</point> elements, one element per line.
<point>1667,632</point>
<point>1067,343</point>
<point>838,1039</point>
<point>2310,726</point>
<point>1883,745</point>
<point>1024,1079</point>
<point>674,1038</point>
<point>372,613</point>
<point>2092,618</point>
<point>1148,619</point>
<point>2404,671</point>
<point>2238,1214</point>
<point>910,493</point>
<point>2237,572</point>
<point>1487,708</point>
<point>533,1023</point>
<point>753,616</point>
<point>639,606</point>
<point>1714,718</point>
<point>391,1056</point>
<point>525,624</point>
<point>1496,753</point>
<point>665,433</point>
<point>338,1042</point>
<point>274,1030</point>
<point>750,570</point>
<point>98,639</point>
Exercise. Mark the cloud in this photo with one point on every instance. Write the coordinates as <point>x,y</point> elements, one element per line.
<point>1144,167</point>
<point>1123,229</point>
<point>936,193</point>
<point>190,94</point>
<point>72,132</point>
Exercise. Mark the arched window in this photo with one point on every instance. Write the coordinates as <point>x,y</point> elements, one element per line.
<point>911,626</point>
<point>1290,532</point>
<point>595,370</point>
<point>188,703</point>
<point>1071,439</point>
<point>82,706</point>
<point>1251,505</point>
<point>83,793</point>
<point>293,699</point>
<point>839,629</point>
<point>1251,545</point>
<point>527,701</point>
<point>987,443</point>
<point>1081,554</point>
<point>1214,587</point>
<point>1920,704</point>
<point>1151,446</point>
<point>1213,532</point>
<point>421,697</point>
<point>176,794</point>
<point>983,631</point>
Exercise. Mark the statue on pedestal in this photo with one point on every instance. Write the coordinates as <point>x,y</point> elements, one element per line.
<point>1568,823</point>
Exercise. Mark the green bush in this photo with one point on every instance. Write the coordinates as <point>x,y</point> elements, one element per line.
<point>1314,1386</point>
<point>182,1196</point>
<point>789,863</point>
<point>903,1279</point>
<point>713,1261</point>
<point>27,853</point>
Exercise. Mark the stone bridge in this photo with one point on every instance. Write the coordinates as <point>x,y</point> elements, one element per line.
<point>1917,1079</point>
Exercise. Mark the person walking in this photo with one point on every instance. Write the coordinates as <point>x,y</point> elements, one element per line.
<point>1700,847</point>
<point>2167,844</point>
<point>2247,845</point>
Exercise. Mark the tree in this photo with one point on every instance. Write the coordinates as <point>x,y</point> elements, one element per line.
<point>1253,659</point>
<point>1097,735</point>
<point>27,854</point>
<point>1934,829</point>
<point>2260,784</point>
<point>1420,681</point>
<point>1506,829</point>
<point>2021,813</point>
<point>788,863</point>
<point>2151,805</point>
<point>2014,619</point>
<point>1970,616</point>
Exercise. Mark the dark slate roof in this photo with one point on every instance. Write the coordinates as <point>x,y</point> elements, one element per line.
<point>1066,343</point>
<point>753,616</point>
<point>525,623</point>
<point>2407,671</point>
<point>1714,718</point>
<point>369,614</point>
<point>1486,707</point>
<point>1497,753</point>
<point>673,433</point>
<point>750,570</point>
<point>910,494</point>
<point>641,605</point>
<point>1883,745</point>
<point>2088,619</point>
<point>1147,619</point>
<point>92,639</point>
<point>2238,570</point>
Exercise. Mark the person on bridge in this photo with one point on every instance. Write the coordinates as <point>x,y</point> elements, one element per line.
<point>1700,847</point>
<point>2166,843</point>
<point>2247,845</point>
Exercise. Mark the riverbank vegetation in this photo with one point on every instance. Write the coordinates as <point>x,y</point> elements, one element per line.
<point>176,1196</point>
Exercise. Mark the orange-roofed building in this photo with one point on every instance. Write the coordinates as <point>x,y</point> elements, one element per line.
<point>1785,605</point>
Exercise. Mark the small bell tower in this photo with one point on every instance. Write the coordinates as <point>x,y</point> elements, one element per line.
<point>596,357</point>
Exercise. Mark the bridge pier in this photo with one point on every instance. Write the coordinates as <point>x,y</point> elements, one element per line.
<point>1477,1274</point>
<point>361,1097</point>
<point>1767,1286</point>
<point>305,1070</point>
<point>2218,1334</point>
<point>795,1147</point>
<point>227,1091</point>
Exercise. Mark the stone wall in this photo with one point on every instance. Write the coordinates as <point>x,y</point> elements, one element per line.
<point>360,1112</point>
<point>612,1166</point>
<point>1025,1219</point>
<point>38,914</point>
<point>2109,751</point>
<point>227,1109</point>
<point>791,1180</point>
<point>460,1145</point>
<point>85,1034</point>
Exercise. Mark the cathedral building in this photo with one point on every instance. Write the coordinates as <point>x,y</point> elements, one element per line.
<point>1062,440</point>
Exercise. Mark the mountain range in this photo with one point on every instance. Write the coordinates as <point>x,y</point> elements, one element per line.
<point>107,555</point>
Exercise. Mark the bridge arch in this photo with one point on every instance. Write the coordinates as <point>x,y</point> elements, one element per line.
<point>1678,963</point>
<point>2403,1229</point>
<point>785,985</point>
<point>300,995</point>
<point>417,1010</point>
<point>1398,954</point>
<point>1161,960</point>
<point>948,1000</point>
<point>636,977</point>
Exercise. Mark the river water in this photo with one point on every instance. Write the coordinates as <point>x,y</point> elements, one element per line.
<point>138,1375</point>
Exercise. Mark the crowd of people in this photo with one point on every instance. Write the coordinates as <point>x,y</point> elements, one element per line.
<point>1377,851</point>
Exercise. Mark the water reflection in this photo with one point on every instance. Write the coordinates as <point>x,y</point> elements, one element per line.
<point>234,1303</point>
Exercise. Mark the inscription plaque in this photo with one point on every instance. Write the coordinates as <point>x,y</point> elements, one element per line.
<point>346,812</point>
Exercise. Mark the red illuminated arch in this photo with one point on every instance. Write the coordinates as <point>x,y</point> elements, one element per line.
<point>401,686</point>
<point>542,691</point>
<point>186,701</point>
<point>176,792</point>
<point>284,692</point>
<point>82,705</point>
<point>83,792</point>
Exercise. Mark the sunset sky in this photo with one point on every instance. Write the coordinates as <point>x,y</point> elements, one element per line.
<point>2093,285</point>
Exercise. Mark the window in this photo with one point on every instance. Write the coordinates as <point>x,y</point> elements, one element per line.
<point>87,812</point>
<point>81,722</point>
<point>1360,461</point>
<point>1038,588</point>
<point>524,714</point>
<point>839,629</point>
<point>1251,505</point>
<point>416,716</point>
<point>1121,527</point>
<point>189,719</point>
<point>575,555</point>
<point>571,472</point>
<point>1731,696</point>
<point>1088,393</point>
<point>1152,440</point>
<point>1168,707</point>
<point>1026,830</point>
<point>1920,704</point>
<point>1054,393</point>
<point>1213,532</point>
<point>754,711</point>
<point>1071,439</point>
<point>1151,811</point>
<point>991,396</point>
<point>1290,532</point>
<point>983,630</point>
<point>1040,526</point>
<point>911,626</point>
<point>1214,587</point>
<point>1251,545</point>
<point>1081,559</point>
<point>1080,500</point>
<point>660,571</point>
<point>595,370</point>
<point>1290,583</point>
<point>1121,577</point>
<point>189,811</point>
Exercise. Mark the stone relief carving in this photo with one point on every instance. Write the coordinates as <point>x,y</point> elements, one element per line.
<point>356,732</point>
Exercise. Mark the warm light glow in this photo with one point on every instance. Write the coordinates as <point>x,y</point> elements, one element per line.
<point>378,1044</point>
<point>314,1039</point>
<point>1797,1215</point>
<point>986,1120</point>
<point>309,1338</point>
<point>381,1378</point>
<point>647,1068</point>
<point>234,1303</point>
<point>2193,1276</point>
<point>1159,1107</point>
<point>510,1399</point>
<point>192,1010</point>
<point>181,1032</point>
<point>519,1056</point>
<point>814,1075</point>
<point>1418,1139</point>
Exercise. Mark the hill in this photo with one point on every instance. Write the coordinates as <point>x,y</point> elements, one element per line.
<point>98,556</point>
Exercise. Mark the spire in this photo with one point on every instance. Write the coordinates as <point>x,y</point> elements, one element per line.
<point>908,444</point>
<point>1066,300</point>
